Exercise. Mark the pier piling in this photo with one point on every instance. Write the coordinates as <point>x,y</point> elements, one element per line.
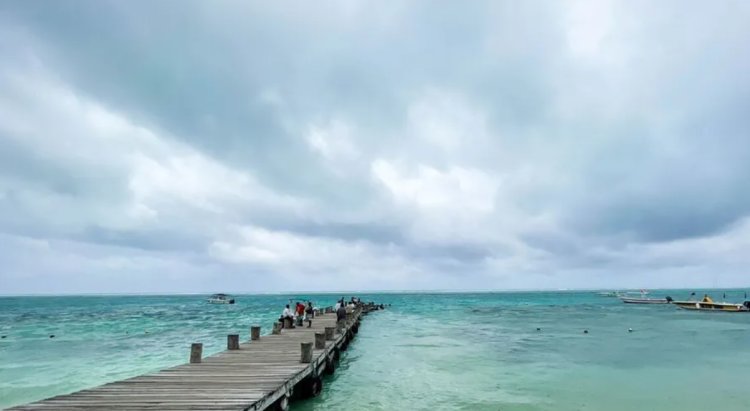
<point>233,342</point>
<point>255,332</point>
<point>196,353</point>
<point>329,332</point>
<point>320,341</point>
<point>306,348</point>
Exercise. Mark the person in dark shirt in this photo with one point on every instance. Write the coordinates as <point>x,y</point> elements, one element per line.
<point>341,314</point>
<point>309,310</point>
<point>309,313</point>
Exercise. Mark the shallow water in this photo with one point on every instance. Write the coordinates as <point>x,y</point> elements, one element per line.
<point>427,351</point>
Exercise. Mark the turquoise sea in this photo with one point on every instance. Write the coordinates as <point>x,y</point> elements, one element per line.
<point>468,351</point>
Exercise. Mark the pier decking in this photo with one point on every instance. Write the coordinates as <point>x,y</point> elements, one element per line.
<point>264,373</point>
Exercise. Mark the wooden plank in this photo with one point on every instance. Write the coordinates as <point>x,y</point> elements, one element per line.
<point>251,377</point>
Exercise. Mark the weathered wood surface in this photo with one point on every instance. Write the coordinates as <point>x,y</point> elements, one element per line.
<point>250,378</point>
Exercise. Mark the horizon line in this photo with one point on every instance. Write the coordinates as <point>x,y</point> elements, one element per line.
<point>405,291</point>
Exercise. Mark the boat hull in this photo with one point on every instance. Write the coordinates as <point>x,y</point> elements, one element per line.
<point>644,300</point>
<point>716,307</point>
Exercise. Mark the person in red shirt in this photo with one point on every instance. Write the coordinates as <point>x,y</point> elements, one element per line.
<point>300,312</point>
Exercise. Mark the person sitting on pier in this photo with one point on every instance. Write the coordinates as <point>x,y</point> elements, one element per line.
<point>337,306</point>
<point>287,314</point>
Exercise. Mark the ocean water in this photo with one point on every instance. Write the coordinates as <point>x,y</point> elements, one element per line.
<point>426,351</point>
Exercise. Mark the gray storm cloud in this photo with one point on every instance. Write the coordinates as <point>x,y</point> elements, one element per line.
<point>236,146</point>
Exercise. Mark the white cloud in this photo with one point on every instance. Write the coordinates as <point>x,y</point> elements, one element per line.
<point>589,27</point>
<point>333,141</point>
<point>456,189</point>
<point>317,260</point>
<point>165,178</point>
<point>447,121</point>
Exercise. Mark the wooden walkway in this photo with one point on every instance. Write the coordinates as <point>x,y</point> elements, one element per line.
<point>263,373</point>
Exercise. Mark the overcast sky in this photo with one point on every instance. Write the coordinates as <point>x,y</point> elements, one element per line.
<point>178,146</point>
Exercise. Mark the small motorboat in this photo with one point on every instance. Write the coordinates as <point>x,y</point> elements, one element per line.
<point>629,298</point>
<point>221,299</point>
<point>708,305</point>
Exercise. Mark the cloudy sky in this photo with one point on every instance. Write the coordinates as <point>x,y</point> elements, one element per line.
<point>347,145</point>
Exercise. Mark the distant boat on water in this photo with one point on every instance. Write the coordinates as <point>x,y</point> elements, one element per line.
<point>221,299</point>
<point>630,298</point>
<point>609,293</point>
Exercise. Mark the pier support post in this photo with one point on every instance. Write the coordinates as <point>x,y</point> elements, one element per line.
<point>276,328</point>
<point>330,365</point>
<point>306,348</point>
<point>320,341</point>
<point>330,333</point>
<point>255,332</point>
<point>310,387</point>
<point>288,323</point>
<point>196,353</point>
<point>282,404</point>
<point>233,342</point>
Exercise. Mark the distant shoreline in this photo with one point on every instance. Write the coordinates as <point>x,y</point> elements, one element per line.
<point>355,292</point>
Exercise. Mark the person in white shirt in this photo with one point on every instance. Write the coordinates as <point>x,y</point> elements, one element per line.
<point>287,313</point>
<point>336,307</point>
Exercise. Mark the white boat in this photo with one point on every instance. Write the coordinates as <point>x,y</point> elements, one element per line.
<point>630,298</point>
<point>221,299</point>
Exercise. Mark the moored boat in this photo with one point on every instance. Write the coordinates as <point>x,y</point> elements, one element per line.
<point>221,299</point>
<point>632,300</point>
<point>713,306</point>
<point>629,299</point>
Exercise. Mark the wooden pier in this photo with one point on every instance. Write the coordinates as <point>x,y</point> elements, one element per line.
<point>264,372</point>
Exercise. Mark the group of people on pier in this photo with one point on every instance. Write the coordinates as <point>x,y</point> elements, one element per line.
<point>301,313</point>
<point>298,315</point>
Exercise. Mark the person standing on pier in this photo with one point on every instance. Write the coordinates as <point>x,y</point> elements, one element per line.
<point>341,313</point>
<point>309,314</point>
<point>310,311</point>
<point>300,312</point>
